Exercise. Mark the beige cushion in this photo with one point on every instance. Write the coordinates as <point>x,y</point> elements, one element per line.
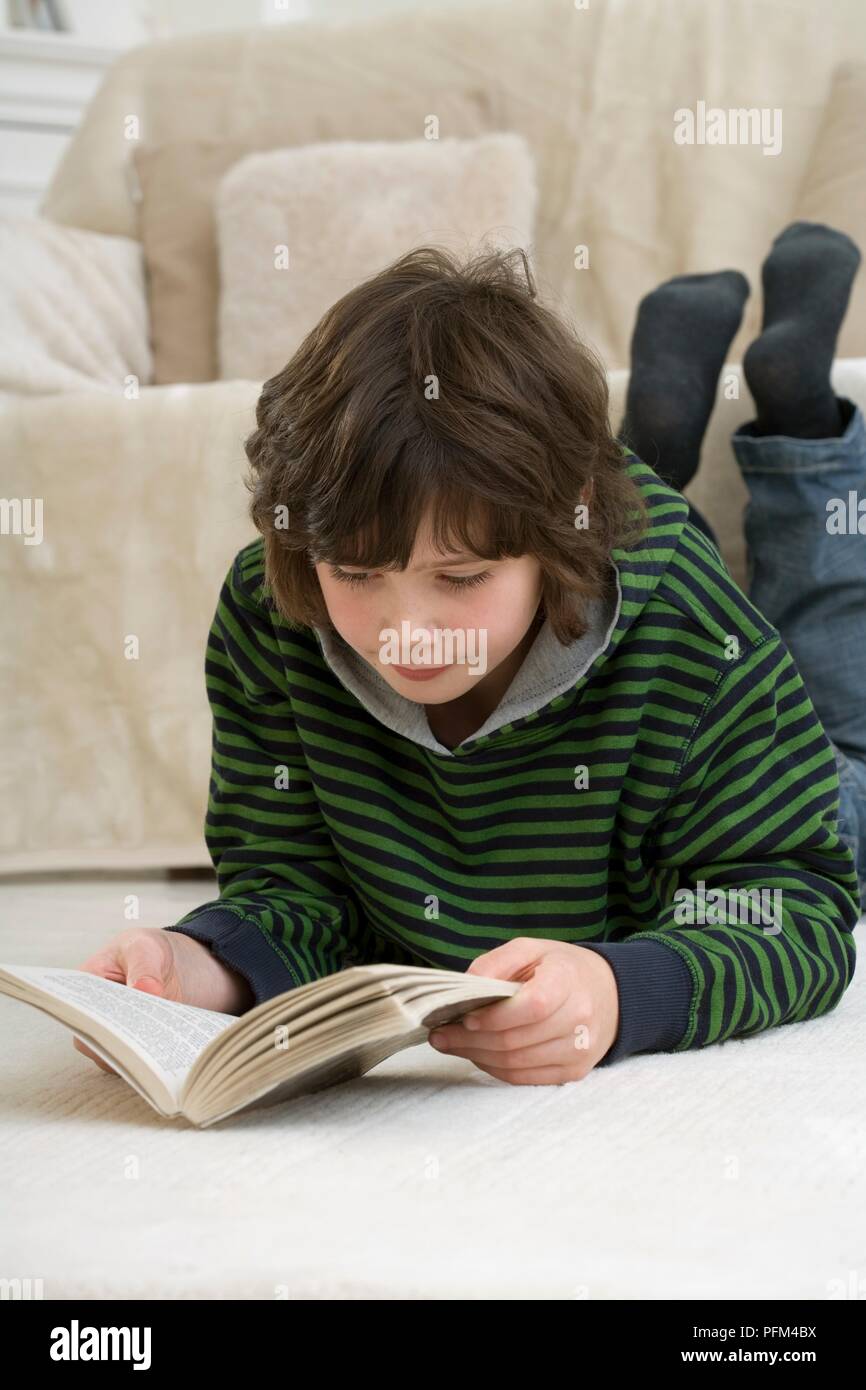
<point>175,183</point>
<point>344,211</point>
<point>73,309</point>
<point>834,186</point>
<point>176,226</point>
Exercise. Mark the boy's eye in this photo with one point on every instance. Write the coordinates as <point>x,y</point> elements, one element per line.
<point>465,581</point>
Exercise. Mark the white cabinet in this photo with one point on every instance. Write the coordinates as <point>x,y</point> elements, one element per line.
<point>46,81</point>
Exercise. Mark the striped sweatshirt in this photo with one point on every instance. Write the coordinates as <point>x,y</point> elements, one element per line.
<point>661,792</point>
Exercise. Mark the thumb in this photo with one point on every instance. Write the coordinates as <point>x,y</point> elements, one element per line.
<point>145,966</point>
<point>513,960</point>
<point>148,984</point>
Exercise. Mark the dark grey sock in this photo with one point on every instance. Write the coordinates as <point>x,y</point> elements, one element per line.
<point>682,333</point>
<point>807,280</point>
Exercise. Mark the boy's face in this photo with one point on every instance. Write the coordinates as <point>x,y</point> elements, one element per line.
<point>434,630</point>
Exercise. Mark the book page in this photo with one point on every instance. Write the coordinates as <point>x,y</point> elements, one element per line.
<point>168,1036</point>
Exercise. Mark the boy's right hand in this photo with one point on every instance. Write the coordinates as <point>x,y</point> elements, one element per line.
<point>172,966</point>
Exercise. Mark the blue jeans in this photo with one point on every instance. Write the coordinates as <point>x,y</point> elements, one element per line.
<point>810,583</point>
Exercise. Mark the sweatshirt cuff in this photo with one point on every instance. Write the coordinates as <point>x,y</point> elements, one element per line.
<point>655,996</point>
<point>240,945</point>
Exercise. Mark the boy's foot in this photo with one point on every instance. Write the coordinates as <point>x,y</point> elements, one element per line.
<point>682,333</point>
<point>807,280</point>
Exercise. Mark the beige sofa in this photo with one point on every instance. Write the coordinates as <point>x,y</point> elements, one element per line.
<point>104,761</point>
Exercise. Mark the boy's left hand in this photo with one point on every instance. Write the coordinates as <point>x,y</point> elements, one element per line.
<point>555,1029</point>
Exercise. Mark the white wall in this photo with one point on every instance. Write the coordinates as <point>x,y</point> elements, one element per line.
<point>123,23</point>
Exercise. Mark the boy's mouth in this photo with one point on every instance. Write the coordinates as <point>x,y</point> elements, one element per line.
<point>420,673</point>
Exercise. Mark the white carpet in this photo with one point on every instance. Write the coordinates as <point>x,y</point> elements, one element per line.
<point>736,1172</point>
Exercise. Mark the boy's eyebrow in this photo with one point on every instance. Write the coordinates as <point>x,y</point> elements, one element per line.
<point>450,560</point>
<point>445,560</point>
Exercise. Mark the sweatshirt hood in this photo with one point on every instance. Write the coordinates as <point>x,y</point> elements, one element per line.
<point>552,674</point>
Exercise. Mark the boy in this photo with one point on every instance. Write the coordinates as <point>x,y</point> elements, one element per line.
<point>629,802</point>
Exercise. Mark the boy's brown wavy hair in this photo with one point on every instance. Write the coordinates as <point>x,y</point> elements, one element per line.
<point>441,384</point>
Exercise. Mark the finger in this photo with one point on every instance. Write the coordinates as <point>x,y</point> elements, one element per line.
<point>106,965</point>
<point>554,1052</point>
<point>555,1025</point>
<point>536,1000</point>
<point>76,1042</point>
<point>514,959</point>
<point>533,1076</point>
<point>148,984</point>
<point>146,964</point>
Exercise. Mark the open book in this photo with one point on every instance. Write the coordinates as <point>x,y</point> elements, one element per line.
<point>206,1065</point>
